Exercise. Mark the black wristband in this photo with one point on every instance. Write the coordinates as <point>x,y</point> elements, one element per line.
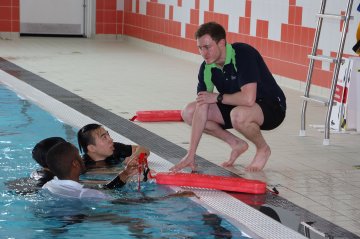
<point>220,98</point>
<point>115,183</point>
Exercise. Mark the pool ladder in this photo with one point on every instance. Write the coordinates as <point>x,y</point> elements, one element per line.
<point>336,60</point>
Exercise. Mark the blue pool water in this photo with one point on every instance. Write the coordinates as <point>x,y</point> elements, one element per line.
<point>40,215</point>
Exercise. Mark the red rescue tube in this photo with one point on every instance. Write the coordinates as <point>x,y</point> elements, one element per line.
<point>212,182</point>
<point>158,115</point>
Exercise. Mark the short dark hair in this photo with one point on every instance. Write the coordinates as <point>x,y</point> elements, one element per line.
<point>85,137</point>
<point>60,158</point>
<point>41,149</point>
<point>214,29</point>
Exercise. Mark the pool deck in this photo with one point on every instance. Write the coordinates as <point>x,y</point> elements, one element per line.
<point>123,77</point>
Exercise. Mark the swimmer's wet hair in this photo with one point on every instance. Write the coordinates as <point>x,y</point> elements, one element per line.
<point>85,138</point>
<point>41,149</point>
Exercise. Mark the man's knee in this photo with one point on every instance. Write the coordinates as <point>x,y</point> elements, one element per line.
<point>188,112</point>
<point>238,120</point>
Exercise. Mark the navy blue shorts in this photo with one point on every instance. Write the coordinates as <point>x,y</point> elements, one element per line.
<point>274,113</point>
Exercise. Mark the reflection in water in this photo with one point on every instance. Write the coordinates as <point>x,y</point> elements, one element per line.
<point>69,132</point>
<point>27,120</point>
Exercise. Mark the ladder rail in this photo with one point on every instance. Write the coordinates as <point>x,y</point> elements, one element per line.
<point>311,67</point>
<point>336,70</point>
<point>338,60</point>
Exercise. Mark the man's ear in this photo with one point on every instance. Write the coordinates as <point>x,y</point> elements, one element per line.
<point>75,163</point>
<point>222,43</point>
<point>91,148</point>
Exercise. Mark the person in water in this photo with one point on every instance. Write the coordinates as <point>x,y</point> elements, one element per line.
<point>100,151</point>
<point>39,177</point>
<point>67,165</point>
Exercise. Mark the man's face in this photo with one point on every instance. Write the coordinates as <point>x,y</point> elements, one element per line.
<point>104,144</point>
<point>209,49</point>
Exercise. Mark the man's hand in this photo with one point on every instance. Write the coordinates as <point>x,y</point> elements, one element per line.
<point>130,170</point>
<point>205,97</point>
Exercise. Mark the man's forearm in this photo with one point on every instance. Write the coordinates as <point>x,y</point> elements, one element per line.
<point>119,181</point>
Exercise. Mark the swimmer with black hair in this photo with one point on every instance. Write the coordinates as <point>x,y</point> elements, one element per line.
<point>40,176</point>
<point>101,153</point>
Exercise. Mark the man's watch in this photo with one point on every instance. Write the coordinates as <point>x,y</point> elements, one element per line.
<point>220,98</point>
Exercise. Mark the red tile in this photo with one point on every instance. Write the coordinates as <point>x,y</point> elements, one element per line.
<point>127,5</point>
<point>109,28</point>
<point>110,16</point>
<point>15,26</point>
<point>284,33</point>
<point>179,3</point>
<point>15,14</point>
<point>197,4</point>
<point>297,34</point>
<point>99,16</point>
<point>99,28</point>
<point>5,26</point>
<point>291,15</point>
<point>311,36</point>
<point>291,33</point>
<point>298,16</point>
<point>208,16</point>
<point>266,29</point>
<point>277,49</point>
<point>190,31</point>
<point>194,16</point>
<point>137,7</point>
<point>220,18</point>
<point>100,4</point>
<point>15,3</point>
<point>119,16</point>
<point>5,3</point>
<point>248,8</point>
<point>110,4</point>
<point>264,47</point>
<point>244,25</point>
<point>269,47</point>
<point>292,2</point>
<point>5,13</point>
<point>171,12</point>
<point>211,5</point>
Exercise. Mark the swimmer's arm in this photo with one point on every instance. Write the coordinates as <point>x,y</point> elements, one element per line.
<point>120,180</point>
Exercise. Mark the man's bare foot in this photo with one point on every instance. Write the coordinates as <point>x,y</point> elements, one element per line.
<point>260,159</point>
<point>184,163</point>
<point>236,151</point>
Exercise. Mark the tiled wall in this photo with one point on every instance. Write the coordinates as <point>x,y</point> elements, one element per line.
<point>9,16</point>
<point>282,30</point>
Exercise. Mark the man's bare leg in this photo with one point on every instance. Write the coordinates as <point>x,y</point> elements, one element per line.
<point>249,127</point>
<point>237,145</point>
<point>212,127</point>
<point>261,157</point>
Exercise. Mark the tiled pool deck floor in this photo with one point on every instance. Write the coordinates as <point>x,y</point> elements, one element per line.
<point>121,78</point>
